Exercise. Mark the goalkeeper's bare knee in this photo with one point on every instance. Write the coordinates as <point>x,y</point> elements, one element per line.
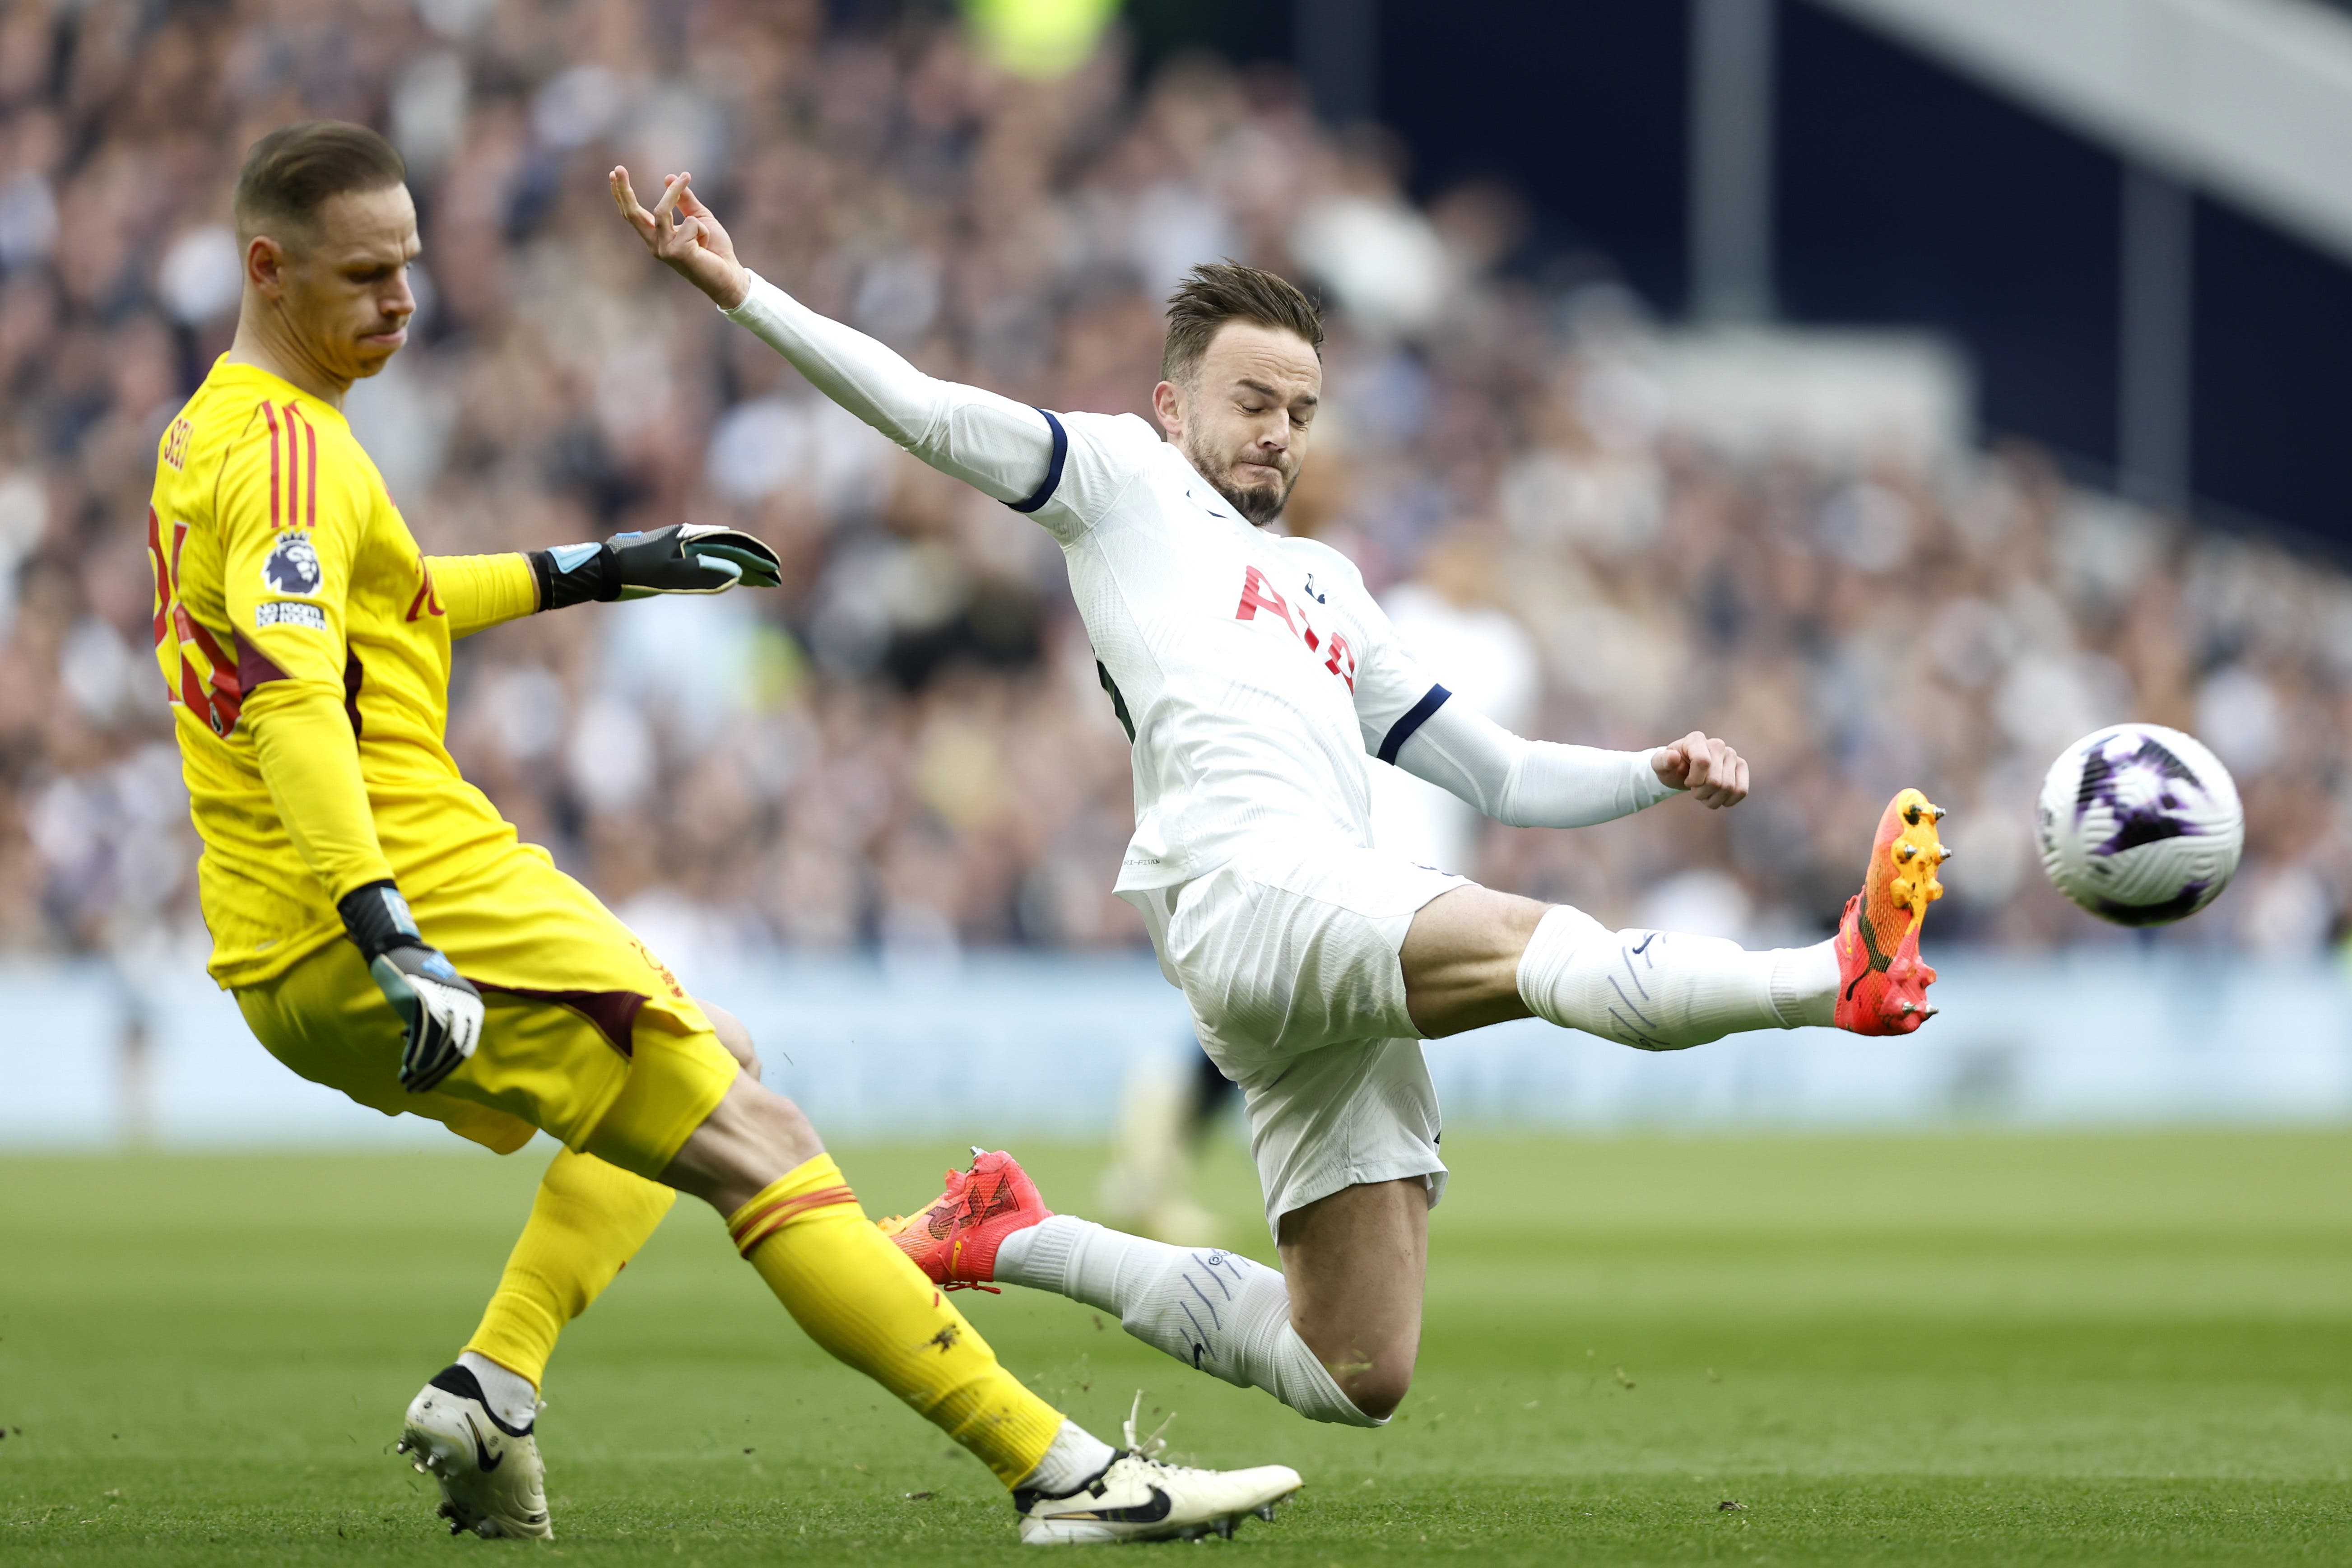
<point>755,1136</point>
<point>733,1035</point>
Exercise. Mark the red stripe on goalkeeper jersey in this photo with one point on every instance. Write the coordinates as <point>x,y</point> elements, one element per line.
<point>293,467</point>
<point>165,589</point>
<point>309,465</point>
<point>773,1216</point>
<point>192,688</point>
<point>224,669</point>
<point>270,412</point>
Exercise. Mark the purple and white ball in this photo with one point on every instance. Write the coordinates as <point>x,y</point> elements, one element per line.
<point>2139,824</point>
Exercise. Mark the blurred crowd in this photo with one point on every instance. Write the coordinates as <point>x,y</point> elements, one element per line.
<point>907,746</point>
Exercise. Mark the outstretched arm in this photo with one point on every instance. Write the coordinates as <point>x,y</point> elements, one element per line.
<point>1005,449</point>
<point>482,590</point>
<point>1412,722</point>
<point>478,592</point>
<point>1536,784</point>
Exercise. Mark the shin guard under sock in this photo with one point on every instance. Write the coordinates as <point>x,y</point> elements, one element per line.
<point>1213,1310</point>
<point>588,1220</point>
<point>1663,991</point>
<point>857,1296</point>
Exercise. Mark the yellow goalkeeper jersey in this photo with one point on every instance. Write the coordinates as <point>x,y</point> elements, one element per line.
<point>304,642</point>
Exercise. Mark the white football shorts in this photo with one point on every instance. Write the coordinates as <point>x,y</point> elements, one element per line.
<point>1288,958</point>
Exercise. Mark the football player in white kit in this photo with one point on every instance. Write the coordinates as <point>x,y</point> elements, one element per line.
<point>1254,674</point>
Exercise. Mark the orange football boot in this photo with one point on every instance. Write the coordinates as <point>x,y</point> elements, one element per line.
<point>1882,981</point>
<point>954,1240</point>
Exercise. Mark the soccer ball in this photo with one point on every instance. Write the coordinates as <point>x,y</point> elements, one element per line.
<point>2139,824</point>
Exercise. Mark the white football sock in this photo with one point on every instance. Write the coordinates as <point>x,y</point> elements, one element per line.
<point>1662,991</point>
<point>1212,1310</point>
<point>510,1394</point>
<point>1076,1458</point>
<point>1805,985</point>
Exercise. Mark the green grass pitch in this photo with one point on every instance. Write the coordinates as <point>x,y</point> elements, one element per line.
<point>1972,1348</point>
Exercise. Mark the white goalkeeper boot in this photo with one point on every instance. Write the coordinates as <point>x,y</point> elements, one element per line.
<point>1138,1498</point>
<point>492,1482</point>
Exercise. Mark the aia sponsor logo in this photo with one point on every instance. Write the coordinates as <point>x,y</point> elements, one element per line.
<point>1257,594</point>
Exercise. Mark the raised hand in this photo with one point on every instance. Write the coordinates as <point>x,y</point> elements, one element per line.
<point>1716,776</point>
<point>687,236</point>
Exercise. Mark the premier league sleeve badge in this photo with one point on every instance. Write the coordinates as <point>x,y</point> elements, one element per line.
<point>292,566</point>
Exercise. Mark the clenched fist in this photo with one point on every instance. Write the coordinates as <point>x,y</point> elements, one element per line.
<point>1716,776</point>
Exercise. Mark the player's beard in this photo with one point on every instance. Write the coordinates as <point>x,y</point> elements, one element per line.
<point>1260,506</point>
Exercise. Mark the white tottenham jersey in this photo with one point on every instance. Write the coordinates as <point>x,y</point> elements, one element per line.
<point>1254,673</point>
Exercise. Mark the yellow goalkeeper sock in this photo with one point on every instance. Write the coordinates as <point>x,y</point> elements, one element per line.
<point>860,1298</point>
<point>588,1220</point>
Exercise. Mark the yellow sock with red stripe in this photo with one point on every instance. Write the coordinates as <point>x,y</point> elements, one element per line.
<point>857,1295</point>
<point>588,1220</point>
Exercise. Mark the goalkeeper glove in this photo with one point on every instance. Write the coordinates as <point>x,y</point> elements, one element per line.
<point>441,1012</point>
<point>684,558</point>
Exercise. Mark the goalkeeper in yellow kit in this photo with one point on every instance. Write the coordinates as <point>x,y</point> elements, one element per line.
<point>386,935</point>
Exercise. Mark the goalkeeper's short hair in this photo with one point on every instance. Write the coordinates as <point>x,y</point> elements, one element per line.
<point>295,170</point>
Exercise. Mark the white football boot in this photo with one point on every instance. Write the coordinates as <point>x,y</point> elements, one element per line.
<point>1140,1499</point>
<point>492,1480</point>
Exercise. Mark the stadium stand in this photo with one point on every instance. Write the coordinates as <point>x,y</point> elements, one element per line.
<point>906,745</point>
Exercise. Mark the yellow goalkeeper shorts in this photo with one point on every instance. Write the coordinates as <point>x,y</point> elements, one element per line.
<point>585,1034</point>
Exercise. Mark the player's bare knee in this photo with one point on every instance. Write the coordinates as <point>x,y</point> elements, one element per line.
<point>783,1129</point>
<point>755,1136</point>
<point>1375,1382</point>
<point>1377,1392</point>
<point>1375,1376</point>
<point>733,1035</point>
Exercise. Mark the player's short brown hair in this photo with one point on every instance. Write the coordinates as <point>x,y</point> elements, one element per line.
<point>295,170</point>
<point>1220,291</point>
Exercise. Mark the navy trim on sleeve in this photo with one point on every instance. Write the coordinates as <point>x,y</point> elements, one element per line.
<point>1045,492</point>
<point>1401,730</point>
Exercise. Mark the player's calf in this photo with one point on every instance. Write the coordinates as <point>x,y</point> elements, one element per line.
<point>1215,1311</point>
<point>1666,991</point>
<point>795,1220</point>
<point>1354,1263</point>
